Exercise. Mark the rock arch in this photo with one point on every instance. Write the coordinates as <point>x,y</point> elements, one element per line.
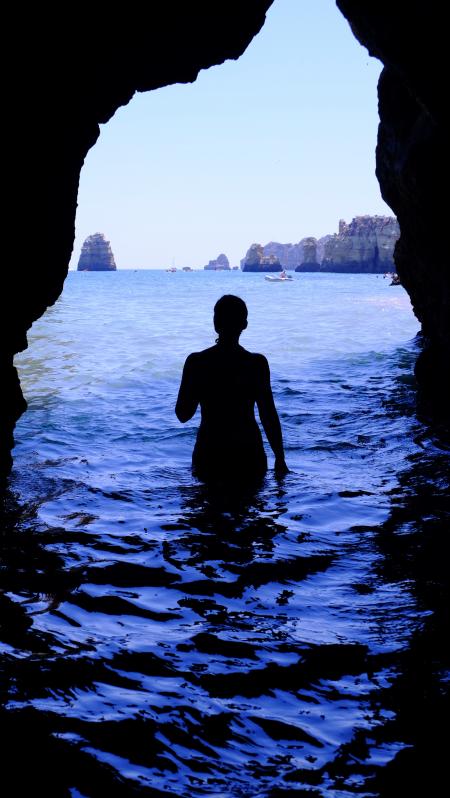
<point>72,69</point>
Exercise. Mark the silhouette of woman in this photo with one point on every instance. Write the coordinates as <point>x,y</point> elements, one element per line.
<point>226,381</point>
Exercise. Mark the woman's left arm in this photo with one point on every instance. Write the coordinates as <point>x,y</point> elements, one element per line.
<point>187,401</point>
<point>269,416</point>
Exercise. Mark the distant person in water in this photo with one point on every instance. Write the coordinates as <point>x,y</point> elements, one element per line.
<point>226,381</point>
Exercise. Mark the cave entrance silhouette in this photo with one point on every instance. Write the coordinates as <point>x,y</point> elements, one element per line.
<point>273,147</point>
<point>260,148</point>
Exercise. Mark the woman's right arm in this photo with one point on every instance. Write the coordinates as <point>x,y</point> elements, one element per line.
<point>187,401</point>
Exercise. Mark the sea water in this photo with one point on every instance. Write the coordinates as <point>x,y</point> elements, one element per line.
<point>165,639</point>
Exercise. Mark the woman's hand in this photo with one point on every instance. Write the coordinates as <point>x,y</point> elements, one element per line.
<point>280,467</point>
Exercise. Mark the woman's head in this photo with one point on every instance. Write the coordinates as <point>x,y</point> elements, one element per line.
<point>230,316</point>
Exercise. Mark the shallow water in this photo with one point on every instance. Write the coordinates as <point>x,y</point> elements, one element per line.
<point>162,639</point>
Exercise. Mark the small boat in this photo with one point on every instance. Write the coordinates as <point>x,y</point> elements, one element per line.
<point>395,280</point>
<point>278,278</point>
<point>172,269</point>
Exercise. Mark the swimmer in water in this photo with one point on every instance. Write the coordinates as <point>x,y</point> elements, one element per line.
<point>227,381</point>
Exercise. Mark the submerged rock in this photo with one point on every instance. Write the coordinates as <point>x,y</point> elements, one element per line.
<point>96,255</point>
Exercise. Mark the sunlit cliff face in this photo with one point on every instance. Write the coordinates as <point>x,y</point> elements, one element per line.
<point>75,74</point>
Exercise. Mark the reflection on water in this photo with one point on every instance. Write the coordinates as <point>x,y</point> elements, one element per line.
<point>159,638</point>
<point>230,642</point>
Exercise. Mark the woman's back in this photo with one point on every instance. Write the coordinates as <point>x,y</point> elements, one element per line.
<point>228,382</point>
<point>225,382</point>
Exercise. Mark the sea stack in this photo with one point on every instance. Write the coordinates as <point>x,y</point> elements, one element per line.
<point>221,263</point>
<point>256,261</point>
<point>96,255</point>
<point>309,262</point>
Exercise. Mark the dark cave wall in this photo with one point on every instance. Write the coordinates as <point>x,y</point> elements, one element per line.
<point>72,69</point>
<point>412,164</point>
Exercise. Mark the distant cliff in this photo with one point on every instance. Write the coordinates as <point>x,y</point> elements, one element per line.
<point>292,255</point>
<point>364,245</point>
<point>96,255</point>
<point>257,261</point>
<point>288,255</point>
<point>221,263</point>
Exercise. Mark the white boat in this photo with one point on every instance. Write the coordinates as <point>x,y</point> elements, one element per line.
<point>277,278</point>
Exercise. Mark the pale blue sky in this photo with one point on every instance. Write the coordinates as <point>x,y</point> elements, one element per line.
<point>275,146</point>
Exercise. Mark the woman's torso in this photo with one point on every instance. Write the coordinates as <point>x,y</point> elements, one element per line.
<point>227,384</point>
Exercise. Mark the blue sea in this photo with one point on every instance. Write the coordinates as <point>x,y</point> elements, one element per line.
<point>166,639</point>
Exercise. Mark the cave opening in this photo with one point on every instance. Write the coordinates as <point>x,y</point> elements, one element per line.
<point>276,146</point>
<point>264,148</point>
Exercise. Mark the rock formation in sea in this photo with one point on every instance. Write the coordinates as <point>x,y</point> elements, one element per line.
<point>293,255</point>
<point>96,255</point>
<point>288,255</point>
<point>321,243</point>
<point>366,245</point>
<point>256,261</point>
<point>221,263</point>
<point>309,262</point>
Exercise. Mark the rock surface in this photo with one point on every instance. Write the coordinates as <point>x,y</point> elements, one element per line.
<point>366,245</point>
<point>96,255</point>
<point>288,255</point>
<point>257,261</point>
<point>412,164</point>
<point>221,263</point>
<point>293,255</point>
<point>309,261</point>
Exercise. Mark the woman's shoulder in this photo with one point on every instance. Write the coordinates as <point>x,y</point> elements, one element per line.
<point>197,357</point>
<point>257,357</point>
<point>257,360</point>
